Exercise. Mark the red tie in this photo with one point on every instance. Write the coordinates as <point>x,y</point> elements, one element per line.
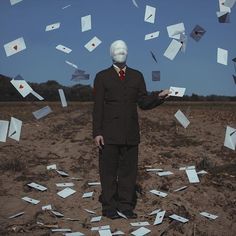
<point>122,75</point>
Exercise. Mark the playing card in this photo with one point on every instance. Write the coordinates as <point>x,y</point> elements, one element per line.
<point>175,30</point>
<point>37,186</point>
<point>71,64</point>
<point>158,193</point>
<point>53,26</point>
<point>180,189</point>
<point>52,167</point>
<point>58,214</point>
<point>223,17</point>
<point>177,91</point>
<point>103,227</point>
<point>173,49</point>
<point>156,75</point>
<point>66,192</point>
<point>165,173</point>
<point>208,215</point>
<point>94,183</point>
<point>66,6</point>
<point>22,87</point>
<point>106,232</point>
<point>187,168</point>
<point>30,200</point>
<point>47,207</point>
<point>222,56</point>
<point>159,217</point>
<point>63,48</point>
<point>150,14</point>
<point>86,23</point>
<point>16,215</point>
<point>183,120</point>
<point>37,95</point>
<point>42,112</point>
<point>202,172</point>
<point>88,194</point>
<point>229,3</point>
<point>192,176</point>
<point>3,130</point>
<point>152,35</point>
<point>141,231</point>
<point>15,129</point>
<point>15,46</point>
<point>96,219</point>
<point>92,44</point>
<point>118,233</point>
<point>61,230</point>
<point>223,7</point>
<point>89,211</point>
<point>145,223</point>
<point>197,33</point>
<point>230,138</point>
<point>179,218</point>
<point>13,2</point>
<point>74,234</point>
<point>155,212</point>
<point>62,185</point>
<point>62,97</point>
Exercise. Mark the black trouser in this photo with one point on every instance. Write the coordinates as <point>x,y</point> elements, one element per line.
<point>118,171</point>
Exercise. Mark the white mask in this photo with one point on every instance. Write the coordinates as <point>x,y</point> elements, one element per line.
<point>119,51</point>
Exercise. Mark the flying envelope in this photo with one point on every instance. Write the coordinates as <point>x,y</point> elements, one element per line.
<point>15,129</point>
<point>197,33</point>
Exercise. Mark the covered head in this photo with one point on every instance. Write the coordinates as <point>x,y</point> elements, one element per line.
<point>119,51</point>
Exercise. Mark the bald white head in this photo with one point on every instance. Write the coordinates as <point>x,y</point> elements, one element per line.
<point>119,51</point>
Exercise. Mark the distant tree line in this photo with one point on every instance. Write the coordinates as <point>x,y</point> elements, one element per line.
<point>78,92</point>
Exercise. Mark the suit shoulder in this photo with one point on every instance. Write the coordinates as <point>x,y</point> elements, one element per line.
<point>136,72</point>
<point>103,72</point>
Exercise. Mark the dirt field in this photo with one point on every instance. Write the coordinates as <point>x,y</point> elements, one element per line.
<point>64,138</point>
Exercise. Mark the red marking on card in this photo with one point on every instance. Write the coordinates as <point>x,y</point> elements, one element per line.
<point>93,44</point>
<point>21,86</point>
<point>15,47</point>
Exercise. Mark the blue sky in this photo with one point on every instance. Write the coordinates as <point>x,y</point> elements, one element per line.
<point>196,69</point>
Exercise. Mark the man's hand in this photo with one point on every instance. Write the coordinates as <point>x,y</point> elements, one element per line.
<point>164,94</point>
<point>99,141</point>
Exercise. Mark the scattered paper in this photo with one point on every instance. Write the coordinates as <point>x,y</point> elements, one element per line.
<point>63,49</point>
<point>179,218</point>
<point>106,232</point>
<point>208,215</point>
<point>96,219</point>
<point>42,112</point>
<point>158,193</point>
<point>62,185</point>
<point>192,176</point>
<point>152,35</point>
<point>173,49</point>
<point>155,212</point>
<point>183,120</point>
<point>141,231</point>
<point>180,189</point>
<point>30,200</point>
<point>37,186</point>
<point>3,130</point>
<point>16,215</point>
<point>66,192</point>
<point>52,167</point>
<point>14,46</point>
<point>87,195</point>
<point>230,138</point>
<point>62,173</point>
<point>150,14</point>
<point>58,214</point>
<point>47,207</point>
<point>177,91</point>
<point>222,56</point>
<point>92,44</point>
<point>165,173</point>
<point>159,217</point>
<point>62,97</point>
<point>135,224</point>
<point>53,26</point>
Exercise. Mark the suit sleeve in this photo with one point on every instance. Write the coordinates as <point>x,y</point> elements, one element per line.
<point>98,93</point>
<point>145,101</point>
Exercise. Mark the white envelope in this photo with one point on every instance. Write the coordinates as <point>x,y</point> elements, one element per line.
<point>179,218</point>
<point>96,219</point>
<point>53,26</point>
<point>42,112</point>
<point>16,215</point>
<point>177,91</point>
<point>74,234</point>
<point>192,176</point>
<point>30,200</point>
<point>89,194</point>
<point>62,97</point>
<point>159,217</point>
<point>63,48</point>
<point>230,138</point>
<point>165,173</point>
<point>158,193</point>
<point>3,130</point>
<point>150,14</point>
<point>135,224</point>
<point>13,2</point>
<point>152,35</point>
<point>105,232</point>
<point>222,56</point>
<point>66,192</point>
<point>37,95</point>
<point>141,231</point>
<point>52,167</point>
<point>22,87</point>
<point>62,185</point>
<point>92,44</point>
<point>183,120</point>
<point>37,186</point>
<point>173,49</point>
<point>15,129</point>
<point>86,23</point>
<point>208,215</point>
<point>71,64</point>
<point>62,173</point>
<point>15,46</point>
<point>175,30</point>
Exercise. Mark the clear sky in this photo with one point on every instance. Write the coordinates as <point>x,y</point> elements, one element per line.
<point>196,69</point>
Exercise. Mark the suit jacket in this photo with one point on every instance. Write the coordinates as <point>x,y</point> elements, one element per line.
<point>115,115</point>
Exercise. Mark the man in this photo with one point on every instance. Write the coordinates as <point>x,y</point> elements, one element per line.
<point>117,91</point>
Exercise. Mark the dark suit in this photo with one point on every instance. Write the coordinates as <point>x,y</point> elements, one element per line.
<point>115,117</point>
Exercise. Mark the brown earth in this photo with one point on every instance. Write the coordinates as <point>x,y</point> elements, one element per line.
<point>65,138</point>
